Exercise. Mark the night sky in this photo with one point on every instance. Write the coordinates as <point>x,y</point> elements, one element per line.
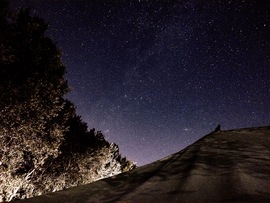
<point>155,76</point>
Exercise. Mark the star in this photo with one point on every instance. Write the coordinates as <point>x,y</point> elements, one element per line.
<point>155,76</point>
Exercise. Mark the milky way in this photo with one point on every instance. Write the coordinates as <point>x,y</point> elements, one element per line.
<point>155,76</point>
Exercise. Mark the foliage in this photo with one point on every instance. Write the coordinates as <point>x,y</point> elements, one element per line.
<point>41,137</point>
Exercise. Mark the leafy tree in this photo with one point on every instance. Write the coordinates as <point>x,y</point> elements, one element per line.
<point>41,137</point>
<point>32,85</point>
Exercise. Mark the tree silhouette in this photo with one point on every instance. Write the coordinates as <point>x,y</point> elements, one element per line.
<point>32,85</point>
<point>41,137</point>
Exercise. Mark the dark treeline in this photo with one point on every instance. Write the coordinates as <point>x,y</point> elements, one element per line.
<point>44,144</point>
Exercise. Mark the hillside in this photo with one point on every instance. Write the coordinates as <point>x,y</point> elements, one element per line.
<point>226,166</point>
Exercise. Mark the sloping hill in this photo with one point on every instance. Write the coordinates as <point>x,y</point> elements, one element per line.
<point>227,166</point>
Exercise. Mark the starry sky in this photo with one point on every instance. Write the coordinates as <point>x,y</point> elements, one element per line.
<point>155,76</point>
